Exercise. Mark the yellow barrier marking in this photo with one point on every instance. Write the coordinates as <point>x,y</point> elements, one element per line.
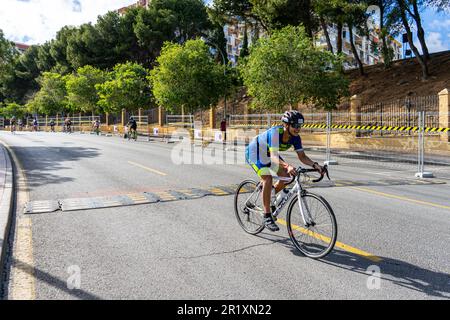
<point>147,168</point>
<point>165,195</point>
<point>189,193</point>
<point>388,195</point>
<point>338,244</point>
<point>137,198</point>
<point>218,191</point>
<point>374,127</point>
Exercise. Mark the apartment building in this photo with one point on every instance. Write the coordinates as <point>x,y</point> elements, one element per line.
<point>20,47</point>
<point>234,34</point>
<point>140,3</point>
<point>368,47</point>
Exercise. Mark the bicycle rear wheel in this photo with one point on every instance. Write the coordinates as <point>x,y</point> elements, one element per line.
<point>317,239</point>
<point>248,207</point>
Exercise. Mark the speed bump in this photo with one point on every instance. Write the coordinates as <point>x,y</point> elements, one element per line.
<point>129,199</point>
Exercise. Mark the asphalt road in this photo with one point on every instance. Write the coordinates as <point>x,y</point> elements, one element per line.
<point>195,249</point>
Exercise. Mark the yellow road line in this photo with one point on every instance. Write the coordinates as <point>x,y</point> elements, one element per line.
<point>23,285</point>
<point>388,195</point>
<point>338,244</point>
<point>23,282</point>
<point>147,168</point>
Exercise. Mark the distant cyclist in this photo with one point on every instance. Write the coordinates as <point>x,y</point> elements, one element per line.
<point>13,124</point>
<point>132,124</point>
<point>68,124</point>
<point>96,126</point>
<point>20,124</point>
<point>263,156</point>
<point>35,124</point>
<point>52,125</point>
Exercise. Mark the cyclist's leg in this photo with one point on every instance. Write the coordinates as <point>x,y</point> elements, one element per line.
<point>263,172</point>
<point>282,172</point>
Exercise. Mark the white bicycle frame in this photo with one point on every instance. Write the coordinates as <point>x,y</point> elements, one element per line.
<point>297,189</point>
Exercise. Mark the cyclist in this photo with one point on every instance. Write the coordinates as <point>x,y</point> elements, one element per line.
<point>132,124</point>
<point>20,124</point>
<point>96,126</point>
<point>68,124</point>
<point>13,124</point>
<point>52,125</point>
<point>263,156</point>
<point>35,124</point>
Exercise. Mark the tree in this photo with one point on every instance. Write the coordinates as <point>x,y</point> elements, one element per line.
<point>81,92</point>
<point>58,50</point>
<point>354,16</point>
<point>45,61</point>
<point>244,51</point>
<point>13,110</point>
<point>8,56</point>
<point>51,98</point>
<point>401,12</point>
<point>190,17</point>
<point>126,87</point>
<point>187,76</point>
<point>285,69</point>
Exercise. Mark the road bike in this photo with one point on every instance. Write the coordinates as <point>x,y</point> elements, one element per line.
<point>132,134</point>
<point>310,220</point>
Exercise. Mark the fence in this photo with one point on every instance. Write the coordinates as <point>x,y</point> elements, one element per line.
<point>177,120</point>
<point>79,123</point>
<point>406,141</point>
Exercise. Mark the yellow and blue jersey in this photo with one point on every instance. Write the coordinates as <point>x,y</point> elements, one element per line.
<point>258,151</point>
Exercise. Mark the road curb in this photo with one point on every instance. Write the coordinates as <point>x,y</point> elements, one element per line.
<point>6,204</point>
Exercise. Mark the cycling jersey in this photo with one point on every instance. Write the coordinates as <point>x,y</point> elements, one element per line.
<point>258,151</point>
<point>133,124</point>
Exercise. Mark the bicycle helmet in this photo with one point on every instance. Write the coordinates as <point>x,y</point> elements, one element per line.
<point>293,117</point>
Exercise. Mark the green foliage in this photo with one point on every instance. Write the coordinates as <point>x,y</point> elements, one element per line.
<point>13,109</point>
<point>126,87</point>
<point>51,98</point>
<point>286,69</point>
<point>8,55</point>
<point>81,92</point>
<point>188,76</point>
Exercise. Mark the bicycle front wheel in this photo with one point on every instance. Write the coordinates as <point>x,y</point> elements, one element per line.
<point>248,207</point>
<point>317,237</point>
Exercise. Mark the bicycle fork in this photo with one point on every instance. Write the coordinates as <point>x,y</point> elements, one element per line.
<point>304,209</point>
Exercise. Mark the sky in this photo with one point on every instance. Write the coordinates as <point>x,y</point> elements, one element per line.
<point>37,21</point>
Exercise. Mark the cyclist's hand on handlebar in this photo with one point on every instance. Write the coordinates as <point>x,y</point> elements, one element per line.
<point>292,171</point>
<point>318,167</point>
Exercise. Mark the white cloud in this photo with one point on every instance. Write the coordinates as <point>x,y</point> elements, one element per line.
<point>440,24</point>
<point>37,21</point>
<point>434,42</point>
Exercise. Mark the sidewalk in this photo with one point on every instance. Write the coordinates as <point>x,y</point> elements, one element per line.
<point>6,201</point>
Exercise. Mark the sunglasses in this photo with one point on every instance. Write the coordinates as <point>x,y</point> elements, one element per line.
<point>297,125</point>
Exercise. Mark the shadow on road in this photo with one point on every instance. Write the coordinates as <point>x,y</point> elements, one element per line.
<point>53,281</point>
<point>398,272</point>
<point>40,163</point>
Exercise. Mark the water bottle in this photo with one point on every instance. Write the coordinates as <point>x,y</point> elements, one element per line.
<point>281,196</point>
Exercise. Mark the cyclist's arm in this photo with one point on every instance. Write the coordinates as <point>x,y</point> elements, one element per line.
<point>306,160</point>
